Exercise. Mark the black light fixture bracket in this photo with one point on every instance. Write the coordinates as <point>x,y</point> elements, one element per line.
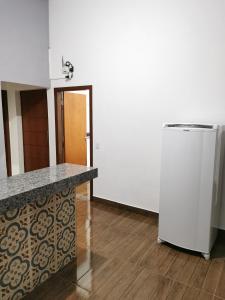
<point>67,69</point>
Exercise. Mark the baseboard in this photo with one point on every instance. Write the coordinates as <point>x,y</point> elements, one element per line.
<point>124,206</point>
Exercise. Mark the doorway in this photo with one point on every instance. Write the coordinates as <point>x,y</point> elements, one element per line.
<point>74,129</point>
<point>25,116</point>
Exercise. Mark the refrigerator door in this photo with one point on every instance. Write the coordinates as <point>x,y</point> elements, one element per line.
<point>187,171</point>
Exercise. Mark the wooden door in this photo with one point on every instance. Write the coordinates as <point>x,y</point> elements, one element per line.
<point>75,128</point>
<point>6,132</point>
<point>35,129</point>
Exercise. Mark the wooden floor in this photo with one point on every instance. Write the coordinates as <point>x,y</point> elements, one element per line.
<point>118,258</point>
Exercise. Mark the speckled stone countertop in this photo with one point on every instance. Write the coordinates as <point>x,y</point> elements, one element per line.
<point>16,191</point>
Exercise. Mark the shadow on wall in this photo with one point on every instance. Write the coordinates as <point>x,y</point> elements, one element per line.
<point>222,181</point>
<point>218,250</point>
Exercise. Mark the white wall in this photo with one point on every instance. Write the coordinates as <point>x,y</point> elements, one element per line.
<point>24,39</point>
<point>149,62</point>
<point>24,35</point>
<point>16,131</point>
<point>51,127</point>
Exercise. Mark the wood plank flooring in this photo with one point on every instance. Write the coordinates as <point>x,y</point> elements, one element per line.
<point>119,258</point>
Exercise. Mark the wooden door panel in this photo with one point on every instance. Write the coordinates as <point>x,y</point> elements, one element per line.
<point>35,164</point>
<point>36,151</point>
<point>35,124</point>
<point>75,128</point>
<point>35,129</point>
<point>39,139</point>
<point>35,107</point>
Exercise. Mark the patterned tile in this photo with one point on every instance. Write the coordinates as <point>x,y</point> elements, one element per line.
<point>65,245</point>
<point>35,242</point>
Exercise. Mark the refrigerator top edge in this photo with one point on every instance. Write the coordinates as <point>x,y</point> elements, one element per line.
<point>190,126</point>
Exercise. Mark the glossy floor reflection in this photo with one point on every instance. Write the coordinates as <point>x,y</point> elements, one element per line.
<point>118,258</point>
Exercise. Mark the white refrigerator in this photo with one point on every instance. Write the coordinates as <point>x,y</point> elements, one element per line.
<point>189,202</point>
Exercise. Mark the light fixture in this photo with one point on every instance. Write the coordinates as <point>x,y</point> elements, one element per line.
<point>67,69</point>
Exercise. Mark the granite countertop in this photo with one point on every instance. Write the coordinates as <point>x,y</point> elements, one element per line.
<point>19,190</point>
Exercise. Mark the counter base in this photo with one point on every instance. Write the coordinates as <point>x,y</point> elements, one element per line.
<point>35,242</point>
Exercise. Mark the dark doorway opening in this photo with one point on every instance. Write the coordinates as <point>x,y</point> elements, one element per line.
<point>5,113</point>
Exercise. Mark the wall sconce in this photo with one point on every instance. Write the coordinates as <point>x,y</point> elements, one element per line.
<point>67,69</point>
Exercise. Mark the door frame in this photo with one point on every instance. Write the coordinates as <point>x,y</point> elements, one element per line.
<point>5,115</point>
<point>71,89</point>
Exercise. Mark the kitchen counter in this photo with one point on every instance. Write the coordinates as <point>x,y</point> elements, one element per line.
<point>38,226</point>
<point>16,191</point>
